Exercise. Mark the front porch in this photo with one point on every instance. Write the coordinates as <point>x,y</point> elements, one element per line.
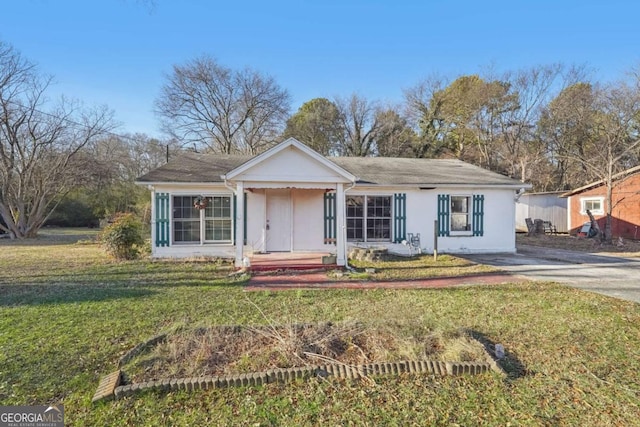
<point>287,186</point>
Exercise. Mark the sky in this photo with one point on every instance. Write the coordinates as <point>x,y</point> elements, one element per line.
<point>119,52</point>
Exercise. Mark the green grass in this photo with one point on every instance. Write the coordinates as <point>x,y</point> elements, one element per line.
<point>67,313</point>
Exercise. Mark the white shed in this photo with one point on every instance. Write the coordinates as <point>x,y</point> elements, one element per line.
<point>547,206</point>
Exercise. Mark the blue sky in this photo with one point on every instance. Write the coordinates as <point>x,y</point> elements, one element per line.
<point>117,52</point>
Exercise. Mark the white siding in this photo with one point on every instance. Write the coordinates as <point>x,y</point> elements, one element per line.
<point>422,212</point>
<point>256,217</point>
<point>308,220</point>
<point>290,166</point>
<point>190,250</point>
<point>196,251</point>
<point>498,221</point>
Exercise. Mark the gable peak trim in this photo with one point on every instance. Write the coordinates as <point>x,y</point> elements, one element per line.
<point>289,142</point>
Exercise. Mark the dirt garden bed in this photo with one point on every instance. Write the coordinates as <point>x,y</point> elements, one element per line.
<point>237,356</point>
<point>230,350</point>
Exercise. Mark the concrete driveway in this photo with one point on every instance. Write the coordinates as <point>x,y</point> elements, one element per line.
<point>605,274</point>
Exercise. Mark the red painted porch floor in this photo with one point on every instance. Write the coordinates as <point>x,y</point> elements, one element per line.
<point>319,280</point>
<point>289,261</point>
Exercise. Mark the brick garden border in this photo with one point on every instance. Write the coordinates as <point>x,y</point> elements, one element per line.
<point>109,388</point>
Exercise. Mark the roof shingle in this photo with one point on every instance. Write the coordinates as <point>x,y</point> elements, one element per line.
<point>404,171</point>
<point>192,167</point>
<point>205,168</point>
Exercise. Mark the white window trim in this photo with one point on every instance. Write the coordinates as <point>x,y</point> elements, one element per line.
<point>464,233</point>
<point>202,241</point>
<point>600,211</point>
<point>365,217</point>
<point>203,222</point>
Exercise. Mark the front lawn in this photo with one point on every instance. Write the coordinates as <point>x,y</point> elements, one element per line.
<point>67,313</point>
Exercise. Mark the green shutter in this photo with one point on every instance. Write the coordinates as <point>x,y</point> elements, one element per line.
<point>244,224</point>
<point>478,215</point>
<point>399,217</point>
<point>330,218</point>
<point>162,219</point>
<point>444,207</point>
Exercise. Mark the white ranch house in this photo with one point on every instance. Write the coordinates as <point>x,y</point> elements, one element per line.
<point>292,199</point>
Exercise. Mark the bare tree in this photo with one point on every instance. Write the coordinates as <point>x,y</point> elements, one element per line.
<point>567,127</point>
<point>134,155</point>
<point>359,121</point>
<point>598,128</point>
<point>113,164</point>
<point>424,108</point>
<point>38,149</point>
<point>213,107</point>
<point>395,137</point>
<point>618,139</point>
<point>532,89</point>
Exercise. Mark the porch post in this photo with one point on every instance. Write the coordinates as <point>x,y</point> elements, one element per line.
<point>341,256</point>
<point>239,223</point>
<point>153,221</point>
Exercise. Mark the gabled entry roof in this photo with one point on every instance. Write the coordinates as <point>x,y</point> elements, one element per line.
<point>290,161</point>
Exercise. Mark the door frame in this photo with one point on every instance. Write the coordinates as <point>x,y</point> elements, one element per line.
<point>290,224</point>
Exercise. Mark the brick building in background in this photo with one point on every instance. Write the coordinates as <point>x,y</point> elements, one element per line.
<point>625,201</point>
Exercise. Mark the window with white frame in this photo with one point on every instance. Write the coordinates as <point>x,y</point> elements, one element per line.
<point>186,220</point>
<point>460,220</point>
<point>212,224</point>
<point>593,204</point>
<point>369,218</point>
<point>460,215</point>
<point>217,219</point>
<point>355,218</point>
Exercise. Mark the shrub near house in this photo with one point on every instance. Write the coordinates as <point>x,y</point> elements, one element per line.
<point>122,238</point>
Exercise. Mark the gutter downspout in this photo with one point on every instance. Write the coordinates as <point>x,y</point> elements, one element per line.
<point>224,177</point>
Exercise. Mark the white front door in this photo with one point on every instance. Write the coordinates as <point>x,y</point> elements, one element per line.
<point>278,220</point>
